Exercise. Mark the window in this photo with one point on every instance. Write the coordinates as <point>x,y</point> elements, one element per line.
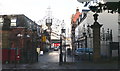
<point>13,22</point>
<point>1,21</point>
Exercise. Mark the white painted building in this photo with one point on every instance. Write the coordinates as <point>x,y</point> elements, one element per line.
<point>108,20</point>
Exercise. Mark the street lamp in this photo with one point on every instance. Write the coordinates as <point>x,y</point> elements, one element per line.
<point>61,35</point>
<point>49,24</point>
<point>64,37</point>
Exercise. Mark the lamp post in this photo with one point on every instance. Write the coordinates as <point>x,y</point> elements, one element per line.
<point>61,53</point>
<point>49,24</point>
<point>64,37</point>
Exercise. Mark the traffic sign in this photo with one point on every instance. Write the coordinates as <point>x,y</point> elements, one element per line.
<point>43,38</point>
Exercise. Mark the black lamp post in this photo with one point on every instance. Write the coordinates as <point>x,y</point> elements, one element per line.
<point>61,53</point>
<point>64,37</point>
<point>63,31</point>
<point>49,24</point>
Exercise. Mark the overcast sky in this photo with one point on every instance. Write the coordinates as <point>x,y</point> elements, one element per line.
<point>36,9</point>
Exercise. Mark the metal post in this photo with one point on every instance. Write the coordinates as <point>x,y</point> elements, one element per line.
<point>65,48</point>
<point>78,44</point>
<point>50,37</point>
<point>85,36</point>
<point>61,54</point>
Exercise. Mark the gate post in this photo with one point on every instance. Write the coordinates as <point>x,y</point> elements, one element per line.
<point>96,39</point>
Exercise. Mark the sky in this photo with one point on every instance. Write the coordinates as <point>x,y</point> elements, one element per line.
<point>36,9</point>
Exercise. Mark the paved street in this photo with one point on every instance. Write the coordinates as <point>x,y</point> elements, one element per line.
<point>50,60</point>
<point>52,56</point>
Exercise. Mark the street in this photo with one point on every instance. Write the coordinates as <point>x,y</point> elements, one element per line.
<point>51,56</point>
<point>50,60</point>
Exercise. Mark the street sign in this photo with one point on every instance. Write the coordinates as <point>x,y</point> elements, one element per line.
<point>43,38</point>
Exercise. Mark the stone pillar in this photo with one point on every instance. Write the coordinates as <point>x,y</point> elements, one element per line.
<point>119,29</point>
<point>96,39</point>
<point>119,35</point>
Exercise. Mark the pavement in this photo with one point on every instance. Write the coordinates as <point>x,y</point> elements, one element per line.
<point>67,65</point>
<point>74,65</point>
<point>51,61</point>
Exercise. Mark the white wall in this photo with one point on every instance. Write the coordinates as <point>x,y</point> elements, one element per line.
<point>108,20</point>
